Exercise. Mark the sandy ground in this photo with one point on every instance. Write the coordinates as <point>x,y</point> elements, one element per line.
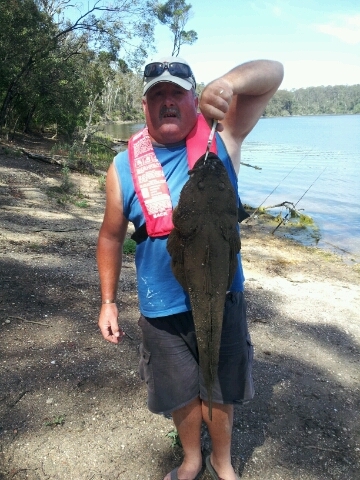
<point>72,407</point>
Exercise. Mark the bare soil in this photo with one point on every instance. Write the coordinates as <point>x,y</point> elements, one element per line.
<point>72,407</point>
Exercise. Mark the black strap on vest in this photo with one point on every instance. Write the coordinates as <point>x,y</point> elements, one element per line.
<point>140,234</point>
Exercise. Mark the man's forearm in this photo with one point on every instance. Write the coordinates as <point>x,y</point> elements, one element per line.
<point>257,77</point>
<point>109,260</point>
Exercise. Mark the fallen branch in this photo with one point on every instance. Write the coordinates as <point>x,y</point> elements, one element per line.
<point>78,166</point>
<point>17,399</point>
<point>120,141</point>
<point>251,166</point>
<point>323,449</point>
<point>106,146</point>
<point>283,204</point>
<point>45,158</point>
<point>31,321</point>
<point>289,205</point>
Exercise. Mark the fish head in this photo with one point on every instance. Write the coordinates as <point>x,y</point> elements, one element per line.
<point>209,185</point>
<point>208,196</point>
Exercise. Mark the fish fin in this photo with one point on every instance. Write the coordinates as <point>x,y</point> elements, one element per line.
<point>176,246</point>
<point>234,249</point>
<point>235,245</point>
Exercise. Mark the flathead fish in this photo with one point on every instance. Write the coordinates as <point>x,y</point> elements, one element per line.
<point>203,246</point>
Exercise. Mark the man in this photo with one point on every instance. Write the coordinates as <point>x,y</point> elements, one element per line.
<point>168,351</point>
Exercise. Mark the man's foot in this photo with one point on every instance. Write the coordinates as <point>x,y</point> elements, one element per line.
<point>227,473</point>
<point>181,473</point>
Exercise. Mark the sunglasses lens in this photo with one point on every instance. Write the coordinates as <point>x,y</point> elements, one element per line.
<point>154,69</point>
<point>180,70</point>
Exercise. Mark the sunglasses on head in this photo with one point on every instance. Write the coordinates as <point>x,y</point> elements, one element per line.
<point>176,69</point>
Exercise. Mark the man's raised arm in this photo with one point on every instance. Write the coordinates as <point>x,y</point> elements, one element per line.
<point>238,99</point>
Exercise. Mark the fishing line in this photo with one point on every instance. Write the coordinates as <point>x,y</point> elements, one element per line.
<point>262,203</point>
<point>302,196</point>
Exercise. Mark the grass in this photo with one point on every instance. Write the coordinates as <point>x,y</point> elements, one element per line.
<point>357,268</point>
<point>102,182</point>
<point>174,437</point>
<point>67,192</point>
<point>81,204</point>
<point>328,256</point>
<point>302,219</point>
<point>129,247</point>
<point>90,156</point>
<point>35,246</point>
<point>56,421</point>
<point>15,152</point>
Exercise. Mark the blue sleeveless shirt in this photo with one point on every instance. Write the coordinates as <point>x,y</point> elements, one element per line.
<point>159,292</point>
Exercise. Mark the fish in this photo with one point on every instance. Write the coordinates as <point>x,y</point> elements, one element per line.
<point>203,246</point>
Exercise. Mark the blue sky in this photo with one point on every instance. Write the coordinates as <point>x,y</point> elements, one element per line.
<point>317,41</point>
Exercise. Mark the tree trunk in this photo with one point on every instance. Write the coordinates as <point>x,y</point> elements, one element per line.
<point>88,123</point>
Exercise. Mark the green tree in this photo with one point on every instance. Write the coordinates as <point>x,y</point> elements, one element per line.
<point>175,14</point>
<point>55,92</point>
<point>35,36</point>
<point>282,104</point>
<point>122,95</point>
<point>98,74</point>
<point>25,32</point>
<point>323,100</point>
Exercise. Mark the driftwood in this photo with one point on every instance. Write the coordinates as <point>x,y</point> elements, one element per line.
<point>288,205</point>
<point>54,160</point>
<point>251,166</point>
<point>79,165</point>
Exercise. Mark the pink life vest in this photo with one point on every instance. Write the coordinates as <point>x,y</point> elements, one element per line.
<point>149,179</point>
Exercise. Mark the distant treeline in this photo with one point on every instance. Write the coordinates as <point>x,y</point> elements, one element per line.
<point>330,100</point>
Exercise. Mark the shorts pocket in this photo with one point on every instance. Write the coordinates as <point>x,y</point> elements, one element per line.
<point>145,368</point>
<point>250,349</point>
<point>249,391</point>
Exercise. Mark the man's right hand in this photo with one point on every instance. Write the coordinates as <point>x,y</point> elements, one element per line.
<point>108,323</point>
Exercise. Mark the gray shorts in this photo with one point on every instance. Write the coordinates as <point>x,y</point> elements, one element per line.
<point>169,359</point>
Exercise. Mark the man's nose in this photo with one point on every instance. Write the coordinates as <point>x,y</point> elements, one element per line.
<point>169,100</point>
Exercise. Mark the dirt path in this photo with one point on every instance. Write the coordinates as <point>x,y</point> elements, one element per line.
<point>72,407</point>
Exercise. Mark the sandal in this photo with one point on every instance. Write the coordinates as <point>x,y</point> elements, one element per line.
<point>173,474</point>
<point>212,470</point>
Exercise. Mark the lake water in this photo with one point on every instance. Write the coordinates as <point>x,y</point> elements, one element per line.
<point>313,162</point>
<point>316,158</point>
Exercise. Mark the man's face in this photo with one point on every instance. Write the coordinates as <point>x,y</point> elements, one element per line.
<point>170,112</point>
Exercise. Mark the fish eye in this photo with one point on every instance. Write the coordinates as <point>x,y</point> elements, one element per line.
<point>221,186</point>
<point>201,185</point>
